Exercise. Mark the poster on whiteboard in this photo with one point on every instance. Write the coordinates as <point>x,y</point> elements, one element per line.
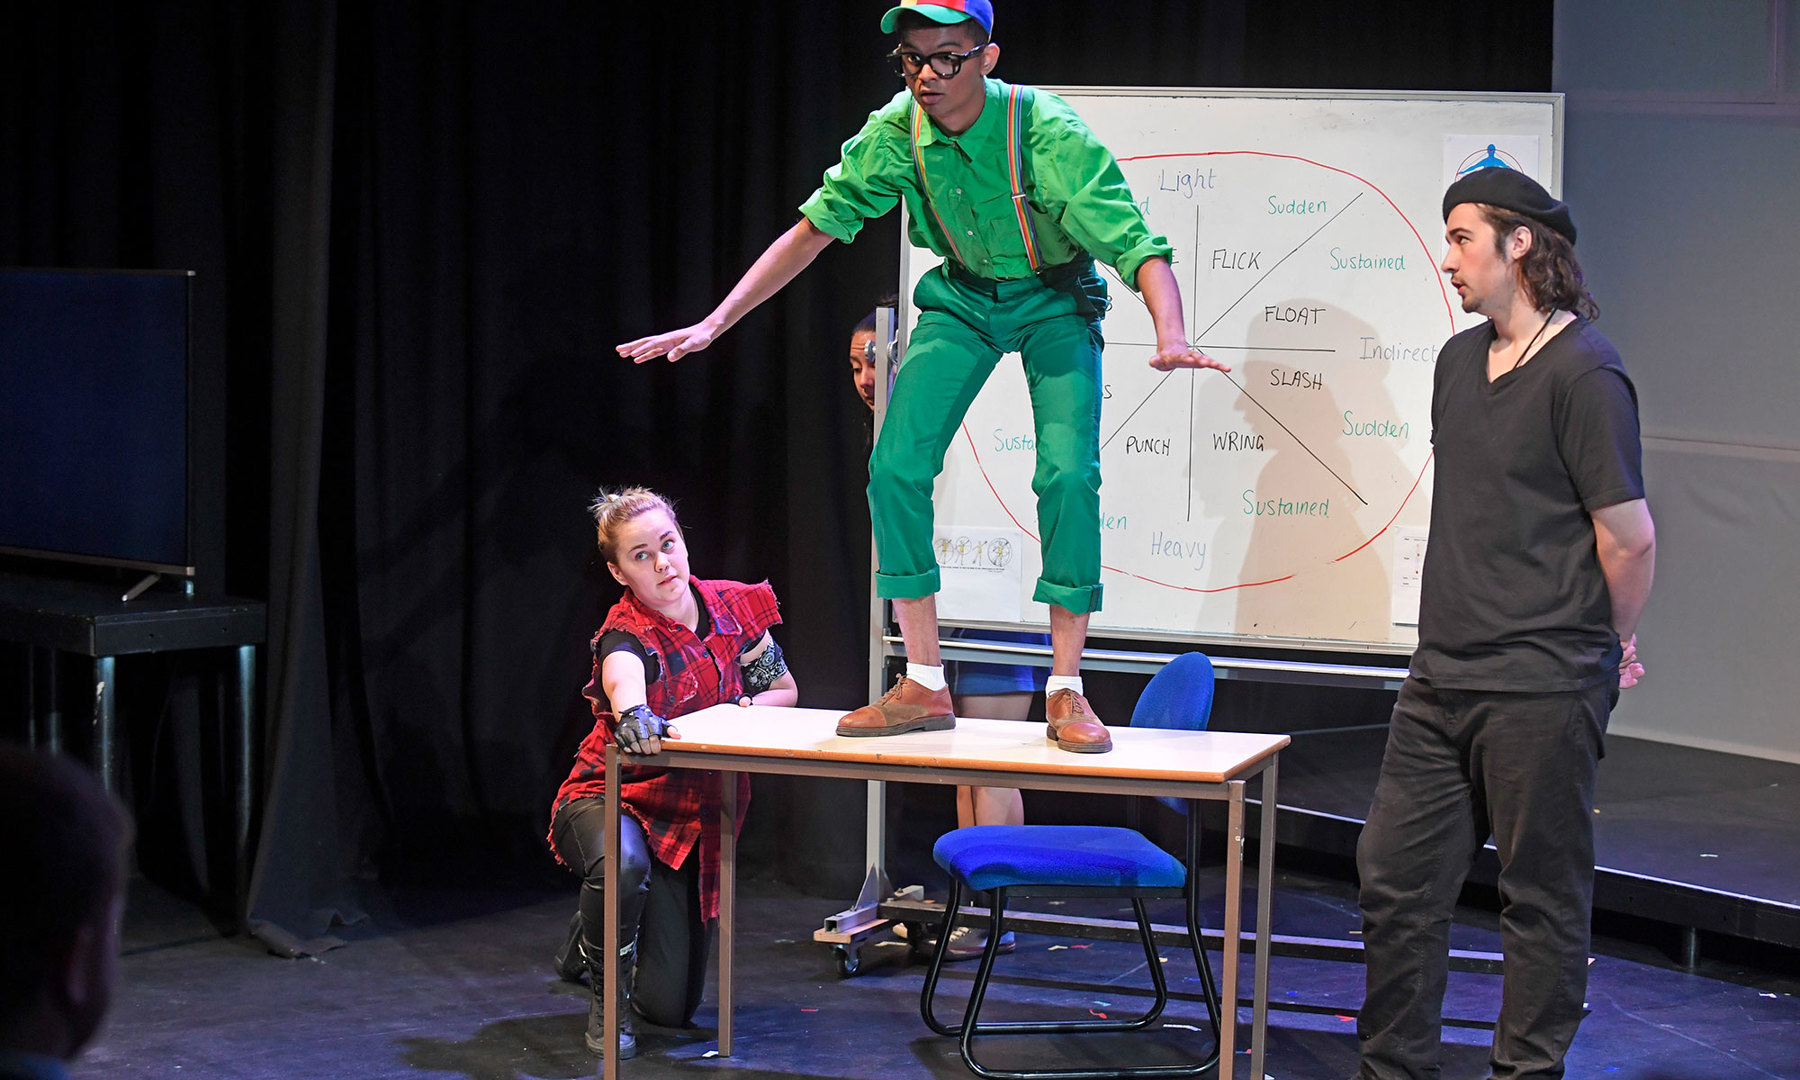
<point>982,573</point>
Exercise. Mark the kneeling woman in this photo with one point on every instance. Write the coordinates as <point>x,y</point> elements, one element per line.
<point>672,645</point>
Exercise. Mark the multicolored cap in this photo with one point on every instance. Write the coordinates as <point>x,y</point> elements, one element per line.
<point>947,12</point>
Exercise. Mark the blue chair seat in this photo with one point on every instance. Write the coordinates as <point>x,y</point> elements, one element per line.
<point>988,857</point>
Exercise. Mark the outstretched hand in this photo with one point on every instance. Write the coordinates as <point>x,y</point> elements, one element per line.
<point>1183,355</point>
<point>674,345</point>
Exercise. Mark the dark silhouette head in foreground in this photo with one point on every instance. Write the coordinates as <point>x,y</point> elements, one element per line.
<point>63,842</point>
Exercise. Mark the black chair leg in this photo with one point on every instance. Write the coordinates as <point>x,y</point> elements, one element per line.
<point>978,992</point>
<point>929,992</point>
<point>971,1027</point>
<point>1153,962</point>
<point>1209,989</point>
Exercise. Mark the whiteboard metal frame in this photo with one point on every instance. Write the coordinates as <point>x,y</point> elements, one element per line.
<point>1377,675</point>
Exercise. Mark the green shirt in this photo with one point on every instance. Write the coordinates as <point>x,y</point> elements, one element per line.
<point>1079,198</point>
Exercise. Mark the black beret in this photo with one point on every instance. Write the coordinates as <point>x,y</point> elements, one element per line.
<point>1512,190</point>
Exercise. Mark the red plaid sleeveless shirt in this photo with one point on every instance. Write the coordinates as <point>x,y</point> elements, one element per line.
<point>678,808</point>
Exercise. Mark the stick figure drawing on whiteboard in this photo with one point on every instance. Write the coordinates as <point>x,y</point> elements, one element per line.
<point>1012,189</point>
<point>1495,158</point>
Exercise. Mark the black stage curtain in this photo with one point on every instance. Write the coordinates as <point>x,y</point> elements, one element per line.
<point>421,227</point>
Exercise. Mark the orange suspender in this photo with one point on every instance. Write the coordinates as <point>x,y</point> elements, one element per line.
<point>1015,165</point>
<point>1015,161</point>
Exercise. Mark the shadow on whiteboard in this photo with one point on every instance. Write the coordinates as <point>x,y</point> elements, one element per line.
<point>1319,496</point>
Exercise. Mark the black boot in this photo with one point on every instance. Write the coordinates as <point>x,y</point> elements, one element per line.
<point>570,964</point>
<point>596,1025</point>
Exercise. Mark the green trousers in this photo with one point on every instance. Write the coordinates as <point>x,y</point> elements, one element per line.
<point>965,325</point>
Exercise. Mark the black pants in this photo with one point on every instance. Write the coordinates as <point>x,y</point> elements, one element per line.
<point>658,907</point>
<point>1459,766</point>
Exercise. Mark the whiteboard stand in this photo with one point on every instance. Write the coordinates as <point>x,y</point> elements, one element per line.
<point>846,930</point>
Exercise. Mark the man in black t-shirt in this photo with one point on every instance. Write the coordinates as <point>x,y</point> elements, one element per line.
<point>1539,563</point>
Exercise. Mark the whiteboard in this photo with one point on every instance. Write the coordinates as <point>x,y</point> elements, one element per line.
<point>1288,501</point>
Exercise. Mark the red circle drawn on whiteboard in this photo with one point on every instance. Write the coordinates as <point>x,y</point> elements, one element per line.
<point>1417,480</point>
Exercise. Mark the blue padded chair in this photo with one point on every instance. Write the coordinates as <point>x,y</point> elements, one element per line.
<point>1081,861</point>
<point>1180,696</point>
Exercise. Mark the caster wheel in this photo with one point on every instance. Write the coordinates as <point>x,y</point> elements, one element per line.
<point>918,940</point>
<point>849,961</point>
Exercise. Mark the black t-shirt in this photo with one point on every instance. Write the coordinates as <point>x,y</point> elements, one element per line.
<point>1513,597</point>
<point>616,640</point>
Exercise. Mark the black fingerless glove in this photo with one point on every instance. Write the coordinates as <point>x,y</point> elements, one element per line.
<point>636,727</point>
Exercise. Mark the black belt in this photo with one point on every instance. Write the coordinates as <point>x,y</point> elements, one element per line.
<point>1050,275</point>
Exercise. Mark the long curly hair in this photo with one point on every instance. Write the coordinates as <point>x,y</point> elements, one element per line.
<point>1549,273</point>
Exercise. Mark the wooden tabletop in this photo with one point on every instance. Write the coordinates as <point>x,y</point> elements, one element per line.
<point>1004,745</point>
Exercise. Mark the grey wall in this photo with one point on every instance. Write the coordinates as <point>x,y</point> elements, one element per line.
<point>1682,165</point>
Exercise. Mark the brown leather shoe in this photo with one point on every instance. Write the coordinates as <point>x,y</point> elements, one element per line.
<point>1073,725</point>
<point>907,707</point>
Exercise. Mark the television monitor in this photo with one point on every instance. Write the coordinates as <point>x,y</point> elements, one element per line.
<point>97,417</point>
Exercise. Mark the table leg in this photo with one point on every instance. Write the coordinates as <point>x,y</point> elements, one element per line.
<point>1234,919</point>
<point>609,941</point>
<point>245,763</point>
<point>727,901</point>
<point>1265,895</point>
<point>46,673</point>
<point>34,712</point>
<point>106,751</point>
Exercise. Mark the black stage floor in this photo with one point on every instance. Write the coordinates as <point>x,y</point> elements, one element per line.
<point>458,984</point>
<point>1695,839</point>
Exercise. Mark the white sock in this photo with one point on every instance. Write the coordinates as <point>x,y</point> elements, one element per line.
<point>1063,682</point>
<point>931,678</point>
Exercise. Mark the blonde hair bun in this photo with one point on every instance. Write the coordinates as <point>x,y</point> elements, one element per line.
<point>612,509</point>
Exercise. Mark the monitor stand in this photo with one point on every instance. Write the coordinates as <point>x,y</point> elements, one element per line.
<point>140,588</point>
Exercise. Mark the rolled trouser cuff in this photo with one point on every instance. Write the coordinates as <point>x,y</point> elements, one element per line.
<point>906,586</point>
<point>1079,599</point>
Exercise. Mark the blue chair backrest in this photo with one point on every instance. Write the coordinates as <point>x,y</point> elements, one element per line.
<point>1179,696</point>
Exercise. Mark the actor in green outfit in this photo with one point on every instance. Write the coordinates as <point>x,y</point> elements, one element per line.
<point>1010,187</point>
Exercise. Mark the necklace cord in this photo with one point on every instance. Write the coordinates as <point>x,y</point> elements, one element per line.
<point>1533,341</point>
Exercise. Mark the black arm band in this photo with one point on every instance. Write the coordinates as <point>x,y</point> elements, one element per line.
<point>761,673</point>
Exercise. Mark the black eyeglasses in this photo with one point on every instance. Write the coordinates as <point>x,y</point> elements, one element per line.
<point>945,64</point>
